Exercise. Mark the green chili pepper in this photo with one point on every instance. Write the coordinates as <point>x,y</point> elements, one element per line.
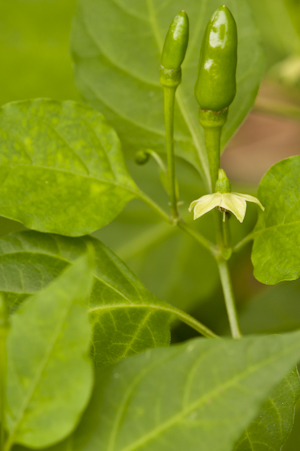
<point>174,51</point>
<point>216,85</point>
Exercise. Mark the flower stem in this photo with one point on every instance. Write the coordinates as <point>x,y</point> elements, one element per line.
<point>229,298</point>
<point>226,232</point>
<point>169,100</point>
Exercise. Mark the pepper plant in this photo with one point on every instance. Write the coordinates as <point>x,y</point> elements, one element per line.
<point>85,356</point>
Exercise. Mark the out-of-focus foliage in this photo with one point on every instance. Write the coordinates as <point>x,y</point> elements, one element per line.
<point>34,49</point>
<point>278,35</point>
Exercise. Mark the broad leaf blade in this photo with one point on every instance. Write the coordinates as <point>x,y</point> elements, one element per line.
<point>275,255</point>
<point>275,420</point>
<point>127,318</point>
<point>197,396</point>
<point>117,69</point>
<point>50,377</point>
<point>61,167</point>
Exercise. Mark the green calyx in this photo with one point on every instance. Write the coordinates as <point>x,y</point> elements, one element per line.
<point>211,119</point>
<point>174,50</point>
<point>215,87</point>
<point>223,184</point>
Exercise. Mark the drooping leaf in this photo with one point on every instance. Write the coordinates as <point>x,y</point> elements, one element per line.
<point>34,39</point>
<point>117,69</point>
<point>61,167</point>
<point>275,255</point>
<point>50,377</point>
<point>127,318</point>
<point>198,396</point>
<point>275,420</point>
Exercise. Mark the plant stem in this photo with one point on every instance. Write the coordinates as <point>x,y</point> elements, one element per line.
<point>153,205</point>
<point>181,224</point>
<point>226,232</point>
<point>243,242</point>
<point>212,143</point>
<point>169,100</point>
<point>229,298</point>
<point>198,237</point>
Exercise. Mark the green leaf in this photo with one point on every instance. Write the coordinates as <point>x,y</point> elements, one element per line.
<point>198,396</point>
<point>61,167</point>
<point>275,255</point>
<point>275,420</point>
<point>117,69</point>
<point>35,39</point>
<point>294,439</point>
<point>50,376</point>
<point>127,318</point>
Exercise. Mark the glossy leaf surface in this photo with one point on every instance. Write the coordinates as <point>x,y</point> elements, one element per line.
<point>127,318</point>
<point>117,69</point>
<point>61,167</point>
<point>50,377</point>
<point>196,396</point>
<point>275,255</point>
<point>275,420</point>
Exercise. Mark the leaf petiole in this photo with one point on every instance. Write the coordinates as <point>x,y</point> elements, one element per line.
<point>244,241</point>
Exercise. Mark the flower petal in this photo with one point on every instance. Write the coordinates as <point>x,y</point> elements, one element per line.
<point>235,204</point>
<point>249,198</point>
<point>205,204</point>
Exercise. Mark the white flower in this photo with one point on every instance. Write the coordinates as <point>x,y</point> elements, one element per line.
<point>226,201</point>
<point>234,202</point>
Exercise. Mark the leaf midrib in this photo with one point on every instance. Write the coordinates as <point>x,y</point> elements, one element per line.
<point>60,258</point>
<point>197,404</point>
<point>39,373</point>
<point>135,191</point>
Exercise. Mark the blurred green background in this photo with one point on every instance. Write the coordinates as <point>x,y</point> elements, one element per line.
<point>35,62</point>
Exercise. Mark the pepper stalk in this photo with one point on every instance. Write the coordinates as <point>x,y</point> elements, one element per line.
<point>173,54</point>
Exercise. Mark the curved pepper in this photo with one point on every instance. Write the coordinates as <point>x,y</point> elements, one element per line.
<point>216,84</point>
<point>174,50</point>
